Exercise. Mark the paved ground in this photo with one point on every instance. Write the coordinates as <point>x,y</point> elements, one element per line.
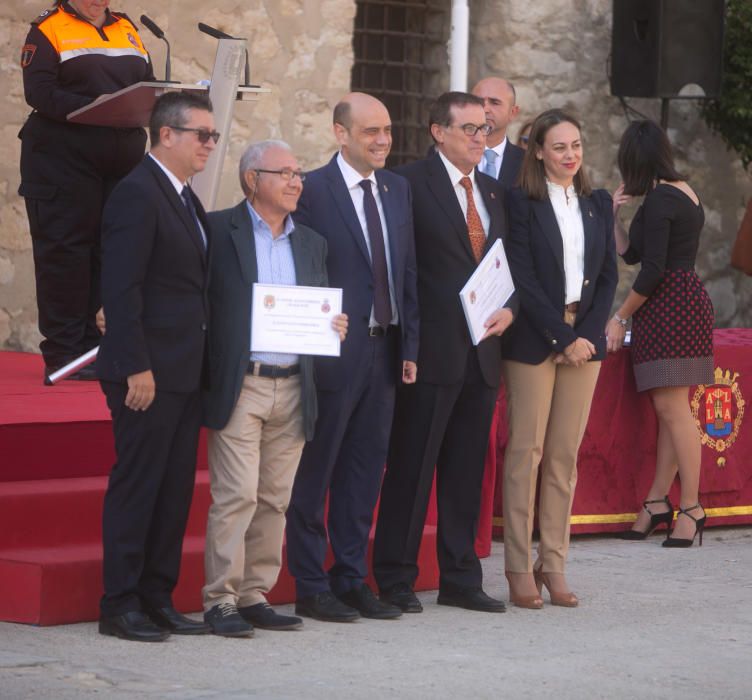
<point>653,623</point>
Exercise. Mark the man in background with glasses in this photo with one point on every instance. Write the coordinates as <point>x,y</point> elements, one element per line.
<point>442,421</point>
<point>261,406</point>
<point>155,248</point>
<point>364,213</point>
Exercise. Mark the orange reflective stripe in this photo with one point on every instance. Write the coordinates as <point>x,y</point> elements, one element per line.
<point>72,37</point>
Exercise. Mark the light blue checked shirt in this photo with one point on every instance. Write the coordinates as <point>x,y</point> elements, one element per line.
<point>276,265</point>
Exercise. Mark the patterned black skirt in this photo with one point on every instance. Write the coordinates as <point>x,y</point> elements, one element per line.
<point>672,334</point>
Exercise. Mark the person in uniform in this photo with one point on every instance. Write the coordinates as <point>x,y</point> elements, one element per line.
<point>74,53</point>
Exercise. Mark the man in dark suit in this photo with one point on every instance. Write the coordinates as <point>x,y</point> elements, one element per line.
<point>501,158</point>
<point>444,419</point>
<point>261,406</point>
<point>365,214</point>
<point>155,239</point>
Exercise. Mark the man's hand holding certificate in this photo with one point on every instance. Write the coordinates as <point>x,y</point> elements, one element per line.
<point>485,294</point>
<point>295,319</point>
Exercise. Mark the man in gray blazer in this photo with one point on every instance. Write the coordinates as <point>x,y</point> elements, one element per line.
<point>261,406</point>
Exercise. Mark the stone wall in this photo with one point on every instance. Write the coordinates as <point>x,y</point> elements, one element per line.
<point>554,52</point>
<point>300,49</point>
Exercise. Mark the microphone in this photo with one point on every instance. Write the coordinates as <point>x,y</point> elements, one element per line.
<point>218,34</point>
<point>153,27</point>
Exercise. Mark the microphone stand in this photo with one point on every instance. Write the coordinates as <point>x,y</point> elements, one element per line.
<point>153,27</point>
<point>219,34</point>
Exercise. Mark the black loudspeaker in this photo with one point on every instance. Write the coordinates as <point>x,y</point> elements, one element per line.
<point>660,46</point>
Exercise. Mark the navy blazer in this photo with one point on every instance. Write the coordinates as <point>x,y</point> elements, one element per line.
<point>154,274</point>
<point>233,271</point>
<point>327,208</point>
<point>536,260</point>
<point>510,165</point>
<point>445,263</point>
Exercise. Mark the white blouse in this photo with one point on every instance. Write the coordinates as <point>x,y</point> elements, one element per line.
<point>566,206</point>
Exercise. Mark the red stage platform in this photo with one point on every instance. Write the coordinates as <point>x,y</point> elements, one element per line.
<point>56,448</point>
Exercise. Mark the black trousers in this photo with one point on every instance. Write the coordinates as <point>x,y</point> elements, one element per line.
<point>67,173</point>
<point>443,428</point>
<point>148,497</point>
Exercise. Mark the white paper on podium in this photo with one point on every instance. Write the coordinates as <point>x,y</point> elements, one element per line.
<point>295,319</point>
<point>487,290</point>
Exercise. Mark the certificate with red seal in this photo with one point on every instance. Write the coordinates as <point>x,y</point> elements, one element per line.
<point>295,319</point>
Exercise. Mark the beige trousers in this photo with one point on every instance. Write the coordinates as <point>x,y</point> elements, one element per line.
<point>252,464</point>
<point>547,411</point>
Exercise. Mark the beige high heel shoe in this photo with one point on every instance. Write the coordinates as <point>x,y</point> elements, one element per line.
<point>530,602</point>
<point>565,600</point>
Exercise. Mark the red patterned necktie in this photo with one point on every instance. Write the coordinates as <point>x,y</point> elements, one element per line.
<point>474,226</point>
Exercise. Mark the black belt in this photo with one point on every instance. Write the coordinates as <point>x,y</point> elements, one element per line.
<point>272,371</point>
<point>380,332</point>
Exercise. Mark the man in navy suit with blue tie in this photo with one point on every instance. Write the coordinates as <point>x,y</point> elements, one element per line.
<point>365,213</point>
<point>501,158</point>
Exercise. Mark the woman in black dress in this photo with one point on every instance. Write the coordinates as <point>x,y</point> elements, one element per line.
<point>672,324</point>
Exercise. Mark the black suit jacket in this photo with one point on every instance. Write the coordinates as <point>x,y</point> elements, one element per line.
<point>445,263</point>
<point>154,273</point>
<point>327,208</point>
<point>510,165</point>
<point>536,259</point>
<point>233,271</point>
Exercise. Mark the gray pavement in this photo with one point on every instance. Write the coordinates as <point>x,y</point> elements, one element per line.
<point>652,623</point>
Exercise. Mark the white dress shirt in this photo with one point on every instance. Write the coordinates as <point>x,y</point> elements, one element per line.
<point>455,176</point>
<point>566,206</point>
<point>352,181</point>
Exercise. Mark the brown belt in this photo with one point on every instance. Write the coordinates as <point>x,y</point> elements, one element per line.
<point>572,308</point>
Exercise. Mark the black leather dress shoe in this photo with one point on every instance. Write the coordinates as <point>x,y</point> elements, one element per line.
<point>403,597</point>
<point>368,605</point>
<point>134,626</point>
<point>263,616</point>
<point>326,607</point>
<point>170,619</point>
<point>470,599</point>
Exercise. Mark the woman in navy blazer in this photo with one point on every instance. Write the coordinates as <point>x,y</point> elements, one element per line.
<point>561,255</point>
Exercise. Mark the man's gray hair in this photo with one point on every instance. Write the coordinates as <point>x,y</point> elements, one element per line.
<point>253,157</point>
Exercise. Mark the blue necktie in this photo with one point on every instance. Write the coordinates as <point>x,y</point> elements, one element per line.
<point>382,306</point>
<point>490,167</point>
<point>188,201</point>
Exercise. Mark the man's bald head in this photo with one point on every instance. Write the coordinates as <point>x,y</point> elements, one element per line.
<point>363,130</point>
<point>499,101</point>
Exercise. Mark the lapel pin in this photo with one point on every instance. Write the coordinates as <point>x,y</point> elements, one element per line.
<point>386,189</point>
<point>493,196</point>
<point>590,213</point>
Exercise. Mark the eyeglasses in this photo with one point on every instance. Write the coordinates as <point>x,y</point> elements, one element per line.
<point>472,129</point>
<point>203,135</point>
<point>285,173</point>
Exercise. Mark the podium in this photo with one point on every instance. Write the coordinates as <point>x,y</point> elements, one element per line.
<point>131,107</point>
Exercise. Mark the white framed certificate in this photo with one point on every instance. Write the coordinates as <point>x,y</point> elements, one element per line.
<point>487,290</point>
<point>295,319</point>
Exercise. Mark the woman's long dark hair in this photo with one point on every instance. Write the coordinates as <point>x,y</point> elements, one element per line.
<point>645,156</point>
<point>532,177</point>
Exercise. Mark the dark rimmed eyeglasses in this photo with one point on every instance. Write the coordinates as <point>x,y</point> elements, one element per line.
<point>285,173</point>
<point>472,129</point>
<point>203,135</point>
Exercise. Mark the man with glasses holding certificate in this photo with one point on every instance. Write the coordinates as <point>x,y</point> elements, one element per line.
<point>261,406</point>
<point>442,421</point>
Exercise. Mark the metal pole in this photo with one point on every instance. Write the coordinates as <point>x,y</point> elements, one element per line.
<point>458,45</point>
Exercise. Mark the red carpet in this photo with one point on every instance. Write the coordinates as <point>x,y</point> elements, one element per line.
<point>56,451</point>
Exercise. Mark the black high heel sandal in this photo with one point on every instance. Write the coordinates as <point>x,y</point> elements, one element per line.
<point>699,527</point>
<point>656,519</point>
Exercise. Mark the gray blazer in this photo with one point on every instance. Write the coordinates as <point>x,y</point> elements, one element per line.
<point>233,271</point>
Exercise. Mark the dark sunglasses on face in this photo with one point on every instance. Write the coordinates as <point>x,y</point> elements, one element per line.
<point>203,135</point>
